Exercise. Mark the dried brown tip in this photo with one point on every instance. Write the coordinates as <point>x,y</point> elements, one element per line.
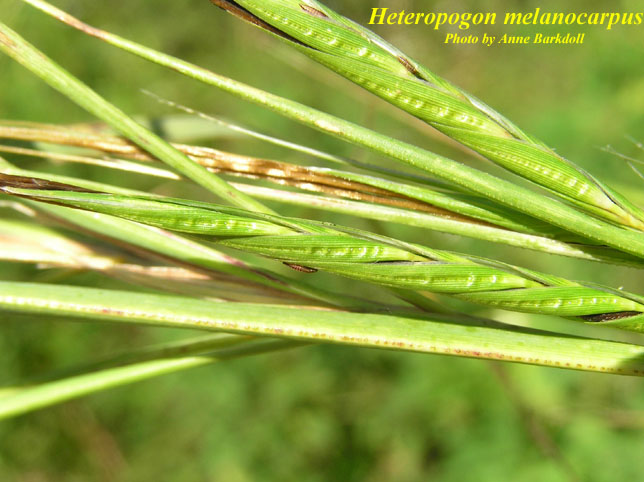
<point>611,316</point>
<point>22,182</point>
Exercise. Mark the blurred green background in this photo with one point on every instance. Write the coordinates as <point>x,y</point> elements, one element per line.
<point>332,413</point>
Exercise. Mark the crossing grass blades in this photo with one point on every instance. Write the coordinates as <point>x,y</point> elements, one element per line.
<point>195,254</point>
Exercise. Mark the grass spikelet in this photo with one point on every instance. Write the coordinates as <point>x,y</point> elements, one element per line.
<point>356,255</point>
<point>372,63</point>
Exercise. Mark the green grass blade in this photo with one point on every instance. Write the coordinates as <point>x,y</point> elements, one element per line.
<point>20,50</point>
<point>435,334</point>
<point>131,368</point>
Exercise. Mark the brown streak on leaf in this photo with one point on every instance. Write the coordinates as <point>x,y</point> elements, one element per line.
<point>313,11</point>
<point>410,67</point>
<point>300,268</point>
<point>611,316</point>
<point>238,165</point>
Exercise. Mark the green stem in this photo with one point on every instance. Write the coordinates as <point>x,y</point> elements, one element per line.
<point>432,334</point>
<point>137,366</point>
